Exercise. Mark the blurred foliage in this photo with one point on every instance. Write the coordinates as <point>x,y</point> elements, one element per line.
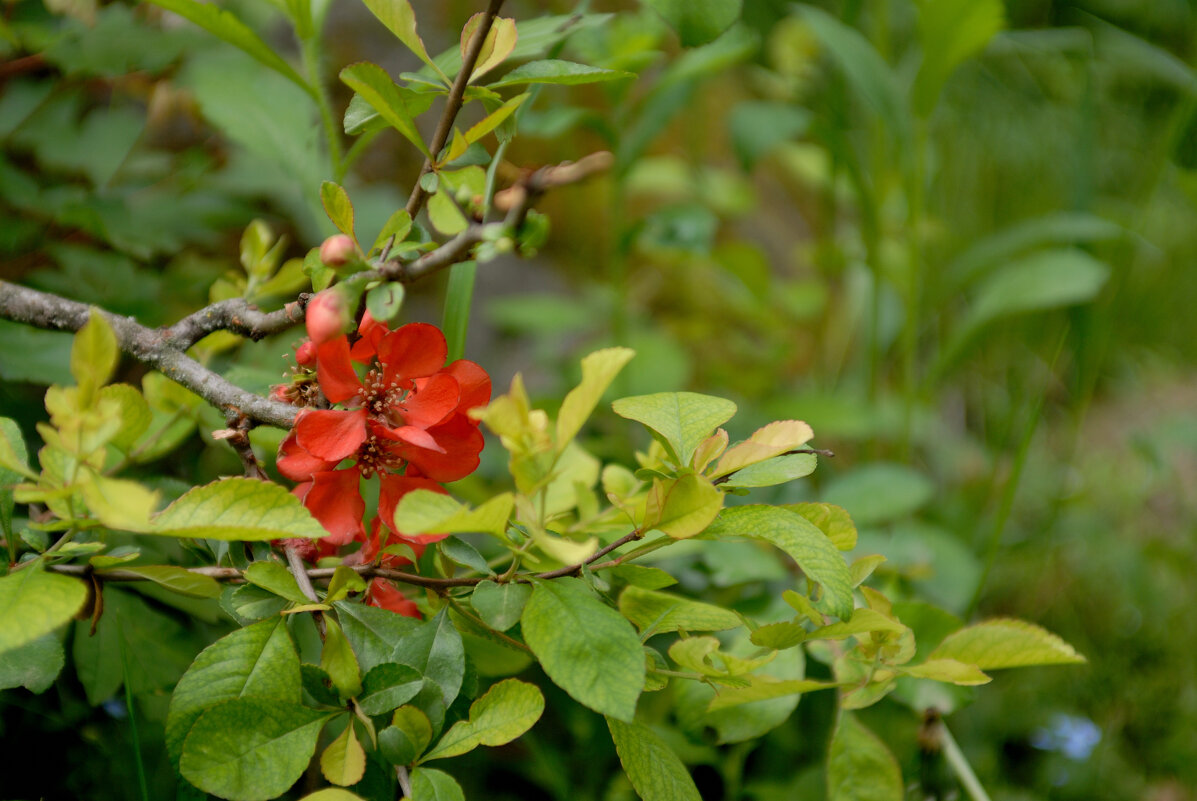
<point>969,270</point>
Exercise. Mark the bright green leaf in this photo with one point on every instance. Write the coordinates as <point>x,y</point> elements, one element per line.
<point>34,602</point>
<point>763,688</point>
<point>238,509</point>
<point>832,520</point>
<point>653,768</point>
<point>552,71</point>
<point>1006,643</point>
<point>493,120</point>
<point>425,512</point>
<point>344,760</point>
<point>508,709</point>
<point>332,794</point>
<point>34,665</point>
<point>406,737</point>
<point>337,206</point>
<point>175,579</point>
<point>500,41</point>
<point>372,632</point>
<point>94,354</point>
<point>948,670</point>
<point>765,443</point>
<point>681,507</point>
<point>663,612</point>
<point>385,301</point>
<point>771,472</point>
<point>598,371</point>
<point>682,420</point>
<point>400,20</point>
<point>798,537</point>
<point>338,660</point>
<point>275,578</point>
<point>586,647</point>
<point>374,86</point>
<point>950,31</point>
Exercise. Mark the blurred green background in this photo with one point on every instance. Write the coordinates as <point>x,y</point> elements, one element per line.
<point>955,237</point>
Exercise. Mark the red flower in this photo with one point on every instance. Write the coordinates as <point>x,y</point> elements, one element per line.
<point>406,422</point>
<point>385,595</point>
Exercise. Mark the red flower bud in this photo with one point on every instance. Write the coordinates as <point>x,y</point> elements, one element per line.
<point>327,316</point>
<point>305,354</point>
<point>336,250</point>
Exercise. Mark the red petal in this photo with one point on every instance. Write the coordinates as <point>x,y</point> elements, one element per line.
<point>474,383</point>
<point>296,463</point>
<point>371,333</point>
<point>433,399</point>
<point>414,351</point>
<point>334,371</point>
<point>410,435</point>
<point>335,500</point>
<point>384,595</point>
<point>330,434</point>
<point>461,442</point>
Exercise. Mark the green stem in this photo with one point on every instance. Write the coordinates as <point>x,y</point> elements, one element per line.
<point>1011,488</point>
<point>959,764</point>
<point>313,56</point>
<point>132,710</point>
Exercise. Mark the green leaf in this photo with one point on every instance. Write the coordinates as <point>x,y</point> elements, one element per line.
<point>869,76</point>
<point>662,612</point>
<point>1045,280</point>
<point>1006,643</point>
<point>500,41</point>
<point>553,71</point>
<point>697,21</point>
<point>94,354</point>
<point>863,621</point>
<point>461,552</point>
<point>586,647</point>
<point>798,537</point>
<point>500,605</point>
<point>757,127</point>
<point>765,688</point>
<point>406,737</point>
<point>765,443</point>
<point>223,24</point>
<point>238,509</point>
<point>771,472</point>
<point>429,784</point>
<point>119,504</point>
<point>175,579</point>
<point>400,20</point>
<point>681,507</point>
<point>332,794</point>
<point>275,578</point>
<point>374,86</point>
<point>880,492</point>
<point>251,749</point>
<point>434,649</point>
<point>654,770</point>
<point>338,660</point>
<point>34,665</point>
<point>344,760</point>
<point>388,686</point>
<point>425,511</point>
<point>337,206</point>
<point>397,225</point>
<point>135,414</point>
<point>492,120</point>
<point>682,420</point>
<point>258,661</point>
<point>859,766</point>
<point>508,709</point>
<point>385,301</point>
<point>344,581</point>
<point>34,602</point>
<point>598,371</point>
<point>14,456</point>
<point>948,670</point>
<point>372,632</point>
<point>832,520</point>
<point>950,31</point>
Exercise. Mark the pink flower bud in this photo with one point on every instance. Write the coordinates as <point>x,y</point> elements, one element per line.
<point>327,316</point>
<point>305,354</point>
<point>336,250</point>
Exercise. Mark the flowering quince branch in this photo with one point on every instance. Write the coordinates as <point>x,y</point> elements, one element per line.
<point>156,348</point>
<point>454,102</point>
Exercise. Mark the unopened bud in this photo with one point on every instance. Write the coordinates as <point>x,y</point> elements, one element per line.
<point>305,354</point>
<point>327,316</point>
<point>336,250</point>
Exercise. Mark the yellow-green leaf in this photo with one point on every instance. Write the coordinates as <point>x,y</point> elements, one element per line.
<point>763,688</point>
<point>428,512</point>
<point>651,766</point>
<point>681,507</point>
<point>598,371</point>
<point>238,509</point>
<point>500,41</point>
<point>337,206</point>
<point>662,612</point>
<point>508,709</point>
<point>681,420</point>
<point>859,766</point>
<point>832,520</point>
<point>344,760</point>
<point>948,670</point>
<point>374,86</point>
<point>34,602</point>
<point>494,119</point>
<point>1005,643</point>
<point>765,443</point>
<point>400,20</point>
<point>175,579</point>
<point>273,577</point>
<point>94,354</point>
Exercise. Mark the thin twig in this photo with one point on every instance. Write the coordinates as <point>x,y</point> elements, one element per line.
<point>237,435</point>
<point>453,103</point>
<point>43,310</point>
<point>235,315</point>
